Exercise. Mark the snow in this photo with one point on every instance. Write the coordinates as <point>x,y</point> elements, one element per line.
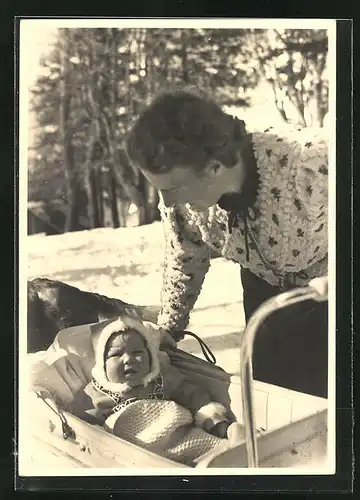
<point>126,263</point>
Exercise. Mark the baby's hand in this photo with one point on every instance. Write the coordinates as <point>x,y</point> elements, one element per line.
<point>220,429</point>
<point>236,433</point>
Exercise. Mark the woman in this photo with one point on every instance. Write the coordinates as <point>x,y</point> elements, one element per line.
<point>261,201</point>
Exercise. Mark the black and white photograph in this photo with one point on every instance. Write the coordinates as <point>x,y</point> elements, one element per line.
<point>176,247</point>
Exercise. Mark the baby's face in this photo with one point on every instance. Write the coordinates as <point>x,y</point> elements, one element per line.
<point>127,358</point>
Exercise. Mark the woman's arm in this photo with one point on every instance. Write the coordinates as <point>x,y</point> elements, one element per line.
<point>187,260</point>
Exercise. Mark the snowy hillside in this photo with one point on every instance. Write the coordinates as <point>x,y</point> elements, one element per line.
<point>127,263</point>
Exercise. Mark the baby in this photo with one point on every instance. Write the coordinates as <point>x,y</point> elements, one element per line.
<point>138,395</point>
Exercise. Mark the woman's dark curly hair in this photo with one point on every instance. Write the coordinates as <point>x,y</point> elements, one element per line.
<point>184,128</point>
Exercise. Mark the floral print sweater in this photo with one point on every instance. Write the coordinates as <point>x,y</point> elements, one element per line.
<point>284,239</point>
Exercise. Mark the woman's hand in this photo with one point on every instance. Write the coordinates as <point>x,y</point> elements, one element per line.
<point>167,340</point>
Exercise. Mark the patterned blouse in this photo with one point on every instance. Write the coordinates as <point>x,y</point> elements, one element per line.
<point>282,237</point>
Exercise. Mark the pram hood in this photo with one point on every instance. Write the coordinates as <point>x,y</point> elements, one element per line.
<point>101,333</point>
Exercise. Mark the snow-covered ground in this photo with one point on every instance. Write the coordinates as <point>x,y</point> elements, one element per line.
<point>127,263</point>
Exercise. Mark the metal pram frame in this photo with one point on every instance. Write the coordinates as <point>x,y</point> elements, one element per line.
<point>316,290</point>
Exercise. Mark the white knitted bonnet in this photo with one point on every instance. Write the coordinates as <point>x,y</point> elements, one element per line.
<point>101,334</point>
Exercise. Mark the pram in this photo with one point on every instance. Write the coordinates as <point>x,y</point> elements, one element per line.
<point>283,428</point>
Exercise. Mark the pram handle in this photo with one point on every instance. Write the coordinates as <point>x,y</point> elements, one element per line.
<point>316,290</point>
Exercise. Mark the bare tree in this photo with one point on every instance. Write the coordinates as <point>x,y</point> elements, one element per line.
<point>72,181</point>
<point>293,62</point>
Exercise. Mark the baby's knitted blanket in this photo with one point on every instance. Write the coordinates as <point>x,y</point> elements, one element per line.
<point>165,428</point>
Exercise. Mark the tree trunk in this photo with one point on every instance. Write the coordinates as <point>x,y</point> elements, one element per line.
<point>149,211</point>
<point>94,189</point>
<point>149,69</point>
<point>184,59</point>
<point>90,197</point>
<point>319,112</point>
<point>279,103</point>
<point>113,127</point>
<point>154,199</point>
<point>90,185</point>
<point>113,198</point>
<point>100,198</point>
<point>143,206</point>
<point>122,204</point>
<point>72,187</point>
<point>296,101</point>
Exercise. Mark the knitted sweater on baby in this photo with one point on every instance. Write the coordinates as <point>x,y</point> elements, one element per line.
<point>283,240</point>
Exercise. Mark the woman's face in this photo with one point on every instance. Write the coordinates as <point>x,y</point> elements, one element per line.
<point>182,185</point>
